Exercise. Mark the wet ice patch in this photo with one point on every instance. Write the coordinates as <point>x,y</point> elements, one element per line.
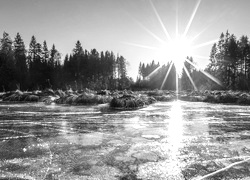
<point>244,114</point>
<point>150,136</point>
<point>90,139</point>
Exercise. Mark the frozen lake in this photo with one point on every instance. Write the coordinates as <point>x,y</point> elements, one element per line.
<point>171,140</point>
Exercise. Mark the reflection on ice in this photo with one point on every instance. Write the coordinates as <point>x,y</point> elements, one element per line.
<point>135,123</point>
<point>175,136</point>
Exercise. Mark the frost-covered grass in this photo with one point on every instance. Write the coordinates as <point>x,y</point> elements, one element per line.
<point>83,98</point>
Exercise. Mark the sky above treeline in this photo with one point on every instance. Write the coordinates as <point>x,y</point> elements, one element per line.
<point>131,28</point>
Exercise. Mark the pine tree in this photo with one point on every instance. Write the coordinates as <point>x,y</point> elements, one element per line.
<point>45,53</point>
<point>32,50</point>
<point>143,71</point>
<point>52,58</point>
<point>35,65</point>
<point>6,44</point>
<point>21,64</point>
<point>232,58</point>
<point>122,72</point>
<point>140,71</point>
<point>78,53</point>
<point>213,64</point>
<point>244,55</point>
<point>78,48</point>
<point>54,67</point>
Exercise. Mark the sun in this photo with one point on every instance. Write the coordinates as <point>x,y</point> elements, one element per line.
<point>177,50</point>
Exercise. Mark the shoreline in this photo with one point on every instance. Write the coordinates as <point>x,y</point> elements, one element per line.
<point>127,99</point>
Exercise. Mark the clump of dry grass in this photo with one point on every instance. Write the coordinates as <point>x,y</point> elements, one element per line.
<point>126,102</point>
<point>83,98</point>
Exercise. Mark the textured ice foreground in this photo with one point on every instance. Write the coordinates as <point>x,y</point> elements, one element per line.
<point>172,140</point>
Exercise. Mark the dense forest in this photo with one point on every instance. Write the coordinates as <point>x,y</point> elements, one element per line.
<point>40,68</point>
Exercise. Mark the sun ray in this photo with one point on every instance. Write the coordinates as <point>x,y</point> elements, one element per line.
<point>199,57</point>
<point>190,78</point>
<point>176,84</point>
<point>146,29</point>
<point>149,32</point>
<point>212,77</point>
<point>177,21</point>
<point>194,65</point>
<point>153,72</point>
<point>141,46</point>
<point>205,73</point>
<point>170,67</point>
<point>197,35</point>
<point>192,17</point>
<point>205,44</point>
<point>159,19</point>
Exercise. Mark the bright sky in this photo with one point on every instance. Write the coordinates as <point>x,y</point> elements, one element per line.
<point>122,26</point>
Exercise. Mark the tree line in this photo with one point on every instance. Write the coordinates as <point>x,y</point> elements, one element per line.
<point>40,67</point>
<point>151,76</point>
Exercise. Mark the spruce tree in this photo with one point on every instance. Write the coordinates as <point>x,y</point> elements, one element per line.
<point>45,53</point>
<point>32,50</point>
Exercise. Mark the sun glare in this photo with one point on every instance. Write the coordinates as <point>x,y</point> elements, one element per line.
<point>177,51</point>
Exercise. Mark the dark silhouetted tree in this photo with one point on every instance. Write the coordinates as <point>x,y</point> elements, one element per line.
<point>21,75</point>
